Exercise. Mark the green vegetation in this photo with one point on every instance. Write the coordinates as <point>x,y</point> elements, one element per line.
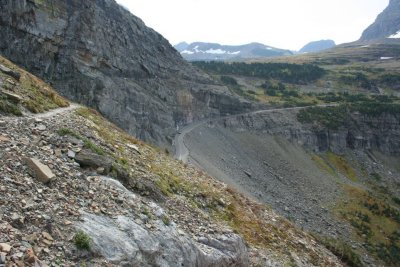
<point>228,80</point>
<point>8,107</point>
<point>341,249</point>
<point>342,166</point>
<point>290,73</point>
<point>166,220</point>
<point>357,79</point>
<point>87,143</point>
<point>82,240</point>
<point>390,79</point>
<point>36,96</point>
<point>376,176</point>
<point>329,117</point>
<point>336,116</point>
<point>375,221</point>
<point>323,165</point>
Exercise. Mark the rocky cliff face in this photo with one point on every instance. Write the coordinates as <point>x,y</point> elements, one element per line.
<point>97,53</point>
<point>359,132</point>
<point>386,24</point>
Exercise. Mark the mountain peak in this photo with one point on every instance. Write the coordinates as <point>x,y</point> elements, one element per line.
<point>386,25</point>
<point>317,46</point>
<point>214,51</point>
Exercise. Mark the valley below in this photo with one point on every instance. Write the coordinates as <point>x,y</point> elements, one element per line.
<point>304,173</point>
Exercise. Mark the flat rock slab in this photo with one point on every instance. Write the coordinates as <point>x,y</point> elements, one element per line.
<point>13,97</point>
<point>87,158</point>
<point>5,247</point>
<point>124,242</point>
<point>39,170</point>
<point>4,139</point>
<point>16,75</point>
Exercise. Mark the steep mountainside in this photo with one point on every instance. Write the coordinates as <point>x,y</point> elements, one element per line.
<point>97,53</point>
<point>387,24</point>
<point>317,46</point>
<point>212,51</point>
<point>310,172</point>
<point>75,190</point>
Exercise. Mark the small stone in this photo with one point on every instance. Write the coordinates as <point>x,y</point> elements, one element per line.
<point>2,123</point>
<point>4,247</point>
<point>286,209</point>
<point>10,81</point>
<point>4,139</point>
<point>66,222</point>
<point>47,243</point>
<point>71,154</point>
<point>47,236</point>
<point>133,147</point>
<point>57,152</point>
<point>39,170</point>
<point>10,95</point>
<point>30,256</point>
<point>100,170</point>
<point>247,173</point>
<point>17,221</point>
<point>2,258</point>
<point>41,127</point>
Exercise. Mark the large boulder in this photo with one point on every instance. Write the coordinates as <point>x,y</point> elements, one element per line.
<point>87,158</point>
<point>124,242</point>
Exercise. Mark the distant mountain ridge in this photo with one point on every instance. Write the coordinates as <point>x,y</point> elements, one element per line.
<point>386,25</point>
<point>213,51</point>
<point>317,46</point>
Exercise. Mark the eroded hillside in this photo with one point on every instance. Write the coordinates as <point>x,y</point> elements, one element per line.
<point>331,168</point>
<point>77,190</point>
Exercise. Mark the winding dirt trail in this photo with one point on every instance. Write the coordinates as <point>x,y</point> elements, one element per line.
<point>44,115</point>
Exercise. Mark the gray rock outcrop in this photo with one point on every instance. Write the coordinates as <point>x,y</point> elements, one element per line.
<point>122,241</point>
<point>99,54</point>
<point>386,24</point>
<point>87,158</point>
<point>381,133</point>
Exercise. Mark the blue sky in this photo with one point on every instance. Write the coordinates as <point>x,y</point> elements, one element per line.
<point>288,24</point>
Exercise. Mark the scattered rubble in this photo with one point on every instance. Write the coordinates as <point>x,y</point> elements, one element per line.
<point>39,219</point>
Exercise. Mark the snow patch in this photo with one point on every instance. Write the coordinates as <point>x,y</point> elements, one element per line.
<point>234,53</point>
<point>216,51</point>
<point>386,58</point>
<point>365,46</point>
<point>395,36</point>
<point>187,52</point>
